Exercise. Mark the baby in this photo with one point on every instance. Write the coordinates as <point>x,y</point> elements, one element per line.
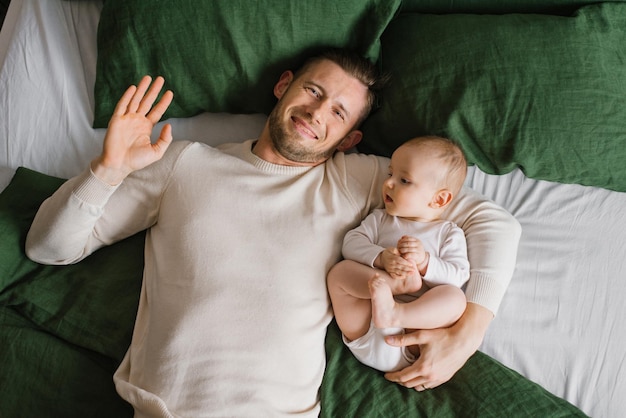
<point>420,261</point>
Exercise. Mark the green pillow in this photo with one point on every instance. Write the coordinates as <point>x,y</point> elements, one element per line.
<point>91,304</point>
<point>224,55</point>
<point>482,388</point>
<point>544,93</point>
<point>495,6</point>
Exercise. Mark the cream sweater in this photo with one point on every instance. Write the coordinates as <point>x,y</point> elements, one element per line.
<point>233,309</point>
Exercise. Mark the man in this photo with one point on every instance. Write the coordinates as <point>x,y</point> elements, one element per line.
<point>233,309</point>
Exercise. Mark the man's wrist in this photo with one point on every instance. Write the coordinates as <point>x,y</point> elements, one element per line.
<point>474,323</point>
<point>108,175</point>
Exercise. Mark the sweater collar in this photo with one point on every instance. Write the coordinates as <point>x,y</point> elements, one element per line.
<point>267,166</point>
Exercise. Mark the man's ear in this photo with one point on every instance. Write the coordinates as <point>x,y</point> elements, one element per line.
<point>441,199</point>
<point>283,83</point>
<point>350,141</point>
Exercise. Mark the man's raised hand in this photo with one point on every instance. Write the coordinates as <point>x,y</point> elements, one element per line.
<point>127,146</point>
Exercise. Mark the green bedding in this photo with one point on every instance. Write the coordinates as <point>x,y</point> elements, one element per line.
<point>545,93</point>
<point>555,7</point>
<point>64,330</point>
<point>224,55</point>
<point>482,388</point>
<point>43,375</point>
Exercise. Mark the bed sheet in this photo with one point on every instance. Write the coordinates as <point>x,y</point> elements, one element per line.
<point>560,323</point>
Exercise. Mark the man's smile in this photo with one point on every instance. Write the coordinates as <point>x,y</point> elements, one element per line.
<point>304,128</point>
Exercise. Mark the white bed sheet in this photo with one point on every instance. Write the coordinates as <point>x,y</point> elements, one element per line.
<point>561,321</point>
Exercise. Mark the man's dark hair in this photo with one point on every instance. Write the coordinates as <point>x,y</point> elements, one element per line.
<point>358,67</point>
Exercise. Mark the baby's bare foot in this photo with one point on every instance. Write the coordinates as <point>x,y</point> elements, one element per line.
<point>384,313</point>
<point>410,284</point>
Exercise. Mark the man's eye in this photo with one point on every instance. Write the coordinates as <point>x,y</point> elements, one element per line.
<point>340,115</point>
<point>313,91</point>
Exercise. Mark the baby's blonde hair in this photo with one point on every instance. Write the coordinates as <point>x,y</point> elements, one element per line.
<point>451,156</point>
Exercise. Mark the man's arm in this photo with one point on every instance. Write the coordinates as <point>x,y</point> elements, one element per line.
<point>64,230</point>
<point>492,239</point>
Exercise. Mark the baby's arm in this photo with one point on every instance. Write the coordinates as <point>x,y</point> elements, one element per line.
<point>451,265</point>
<point>361,245</point>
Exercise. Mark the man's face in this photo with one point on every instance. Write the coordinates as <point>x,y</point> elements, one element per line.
<point>316,113</point>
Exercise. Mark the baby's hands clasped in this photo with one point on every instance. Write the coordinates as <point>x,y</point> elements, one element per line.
<point>396,265</point>
<point>412,249</point>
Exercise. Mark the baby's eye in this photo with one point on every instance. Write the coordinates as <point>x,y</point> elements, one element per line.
<point>404,181</point>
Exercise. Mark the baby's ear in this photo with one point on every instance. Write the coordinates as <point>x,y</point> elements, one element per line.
<point>441,199</point>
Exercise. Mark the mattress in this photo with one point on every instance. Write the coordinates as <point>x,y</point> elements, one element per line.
<point>561,321</point>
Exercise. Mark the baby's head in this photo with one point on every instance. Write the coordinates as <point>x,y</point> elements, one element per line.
<point>425,174</point>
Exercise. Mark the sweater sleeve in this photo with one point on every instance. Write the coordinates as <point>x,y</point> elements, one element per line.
<point>63,229</point>
<point>359,244</point>
<point>450,266</point>
<point>365,175</point>
<point>492,236</point>
<point>85,214</point>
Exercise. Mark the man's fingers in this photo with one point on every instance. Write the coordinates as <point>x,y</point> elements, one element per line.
<point>164,141</point>
<point>139,99</point>
<point>403,340</point>
<point>148,99</point>
<point>159,109</point>
<point>135,101</point>
<point>122,104</point>
<point>416,376</point>
<point>402,377</point>
<point>412,377</point>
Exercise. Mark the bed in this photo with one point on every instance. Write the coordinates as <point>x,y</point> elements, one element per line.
<point>535,92</point>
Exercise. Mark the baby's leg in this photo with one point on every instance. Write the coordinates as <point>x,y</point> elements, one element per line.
<point>398,286</point>
<point>439,307</point>
<point>350,296</point>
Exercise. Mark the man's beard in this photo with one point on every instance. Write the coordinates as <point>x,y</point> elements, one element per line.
<point>288,144</point>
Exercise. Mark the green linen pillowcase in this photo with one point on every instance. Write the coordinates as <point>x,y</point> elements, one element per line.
<point>91,304</point>
<point>482,388</point>
<point>543,93</point>
<point>495,6</point>
<point>224,55</point>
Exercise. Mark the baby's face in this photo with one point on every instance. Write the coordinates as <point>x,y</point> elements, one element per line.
<point>411,186</point>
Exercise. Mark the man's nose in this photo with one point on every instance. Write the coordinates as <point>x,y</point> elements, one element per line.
<point>316,111</point>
